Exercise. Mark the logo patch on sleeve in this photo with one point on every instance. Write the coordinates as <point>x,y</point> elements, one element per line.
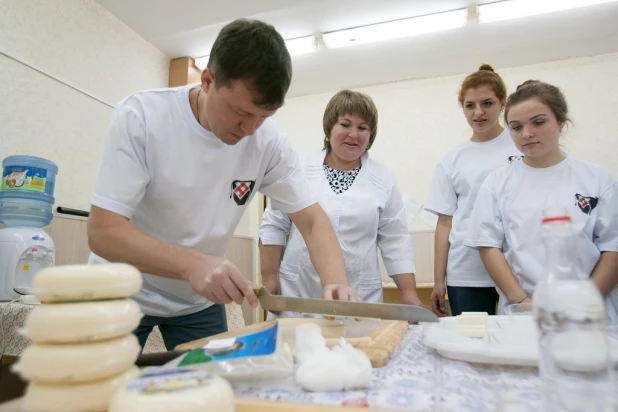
<point>241,191</point>
<point>586,204</point>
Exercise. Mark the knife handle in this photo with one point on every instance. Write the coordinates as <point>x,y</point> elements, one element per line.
<point>257,288</point>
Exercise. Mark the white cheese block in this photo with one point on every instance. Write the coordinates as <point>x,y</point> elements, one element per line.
<point>175,390</point>
<point>89,396</point>
<point>482,314</point>
<point>78,362</point>
<point>82,321</point>
<point>87,282</point>
<point>472,324</point>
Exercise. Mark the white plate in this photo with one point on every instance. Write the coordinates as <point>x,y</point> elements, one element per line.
<point>508,342</point>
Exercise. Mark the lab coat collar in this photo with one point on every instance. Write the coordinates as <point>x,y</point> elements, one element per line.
<point>318,158</point>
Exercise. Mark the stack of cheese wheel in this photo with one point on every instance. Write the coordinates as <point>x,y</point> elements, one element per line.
<point>83,348</point>
<point>175,390</point>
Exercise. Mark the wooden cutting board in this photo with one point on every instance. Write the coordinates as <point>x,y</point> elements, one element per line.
<point>383,341</point>
<point>379,345</point>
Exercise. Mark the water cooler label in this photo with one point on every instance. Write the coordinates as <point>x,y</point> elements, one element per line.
<point>24,178</point>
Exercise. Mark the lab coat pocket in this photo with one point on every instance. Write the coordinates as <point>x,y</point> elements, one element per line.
<point>370,288</point>
<point>289,283</point>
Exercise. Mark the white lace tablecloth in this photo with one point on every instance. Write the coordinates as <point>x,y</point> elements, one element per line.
<point>13,315</point>
<point>419,379</point>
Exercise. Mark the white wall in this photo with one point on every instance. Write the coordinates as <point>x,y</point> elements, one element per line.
<point>420,120</point>
<point>249,224</point>
<point>81,43</point>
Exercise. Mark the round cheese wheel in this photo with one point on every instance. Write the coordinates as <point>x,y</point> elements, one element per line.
<point>175,390</point>
<point>89,396</point>
<point>82,321</point>
<point>87,282</point>
<point>78,362</point>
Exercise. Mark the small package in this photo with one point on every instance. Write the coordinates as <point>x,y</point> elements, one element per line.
<point>259,355</point>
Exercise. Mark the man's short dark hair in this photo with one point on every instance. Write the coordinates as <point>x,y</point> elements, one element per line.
<point>253,51</point>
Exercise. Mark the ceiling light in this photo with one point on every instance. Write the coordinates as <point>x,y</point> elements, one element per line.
<point>504,10</point>
<point>301,45</point>
<point>397,29</point>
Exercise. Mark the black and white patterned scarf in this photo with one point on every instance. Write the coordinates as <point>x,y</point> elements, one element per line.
<point>340,180</point>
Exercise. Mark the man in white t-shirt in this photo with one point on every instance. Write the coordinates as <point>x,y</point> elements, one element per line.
<point>179,167</point>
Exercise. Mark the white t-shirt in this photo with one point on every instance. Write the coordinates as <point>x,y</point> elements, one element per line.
<point>456,182</point>
<point>369,215</point>
<point>178,182</point>
<point>509,209</point>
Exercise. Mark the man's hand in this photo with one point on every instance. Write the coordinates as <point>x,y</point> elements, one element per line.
<point>438,302</point>
<point>221,282</point>
<point>410,297</point>
<point>114,238</point>
<point>340,292</point>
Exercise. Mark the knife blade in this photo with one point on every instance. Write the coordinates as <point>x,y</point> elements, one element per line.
<point>342,308</point>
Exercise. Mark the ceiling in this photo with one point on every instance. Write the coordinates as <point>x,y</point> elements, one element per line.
<point>189,28</point>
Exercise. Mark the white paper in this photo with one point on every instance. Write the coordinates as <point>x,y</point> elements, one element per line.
<point>220,343</point>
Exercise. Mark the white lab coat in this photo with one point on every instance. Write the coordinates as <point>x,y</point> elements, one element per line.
<point>370,214</point>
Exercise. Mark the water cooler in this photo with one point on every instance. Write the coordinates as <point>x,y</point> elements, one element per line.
<point>26,202</point>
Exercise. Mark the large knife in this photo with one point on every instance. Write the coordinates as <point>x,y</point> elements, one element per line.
<point>342,308</point>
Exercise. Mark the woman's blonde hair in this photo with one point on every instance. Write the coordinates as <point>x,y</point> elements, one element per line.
<point>350,102</point>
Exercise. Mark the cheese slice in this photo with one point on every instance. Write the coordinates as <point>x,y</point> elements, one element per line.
<point>82,321</point>
<point>332,329</point>
<point>87,282</point>
<point>90,396</point>
<point>472,324</point>
<point>78,362</point>
<point>482,314</point>
<point>175,390</point>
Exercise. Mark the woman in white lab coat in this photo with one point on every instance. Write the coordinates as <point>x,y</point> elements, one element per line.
<point>363,202</point>
<point>506,221</point>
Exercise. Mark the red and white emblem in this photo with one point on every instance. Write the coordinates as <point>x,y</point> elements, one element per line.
<point>241,191</point>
